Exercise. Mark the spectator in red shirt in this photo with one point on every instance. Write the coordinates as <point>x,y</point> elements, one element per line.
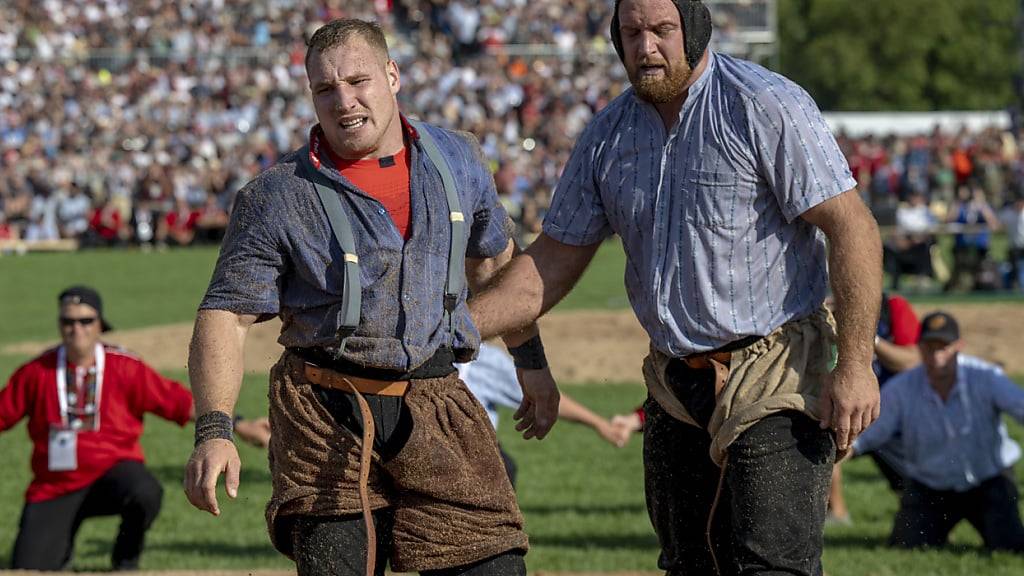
<point>106,227</point>
<point>85,402</point>
<point>181,223</point>
<point>8,231</point>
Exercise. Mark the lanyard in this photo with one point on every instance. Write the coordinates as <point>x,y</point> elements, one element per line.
<point>62,382</point>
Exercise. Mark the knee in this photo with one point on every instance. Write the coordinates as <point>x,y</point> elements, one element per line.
<point>146,495</point>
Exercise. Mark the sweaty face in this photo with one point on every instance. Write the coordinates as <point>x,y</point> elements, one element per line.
<point>653,52</point>
<point>354,90</point>
<point>79,326</point>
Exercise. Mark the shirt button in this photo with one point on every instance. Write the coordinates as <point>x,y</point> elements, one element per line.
<point>381,211</point>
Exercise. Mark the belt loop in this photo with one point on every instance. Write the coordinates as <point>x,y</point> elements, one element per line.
<point>343,334</point>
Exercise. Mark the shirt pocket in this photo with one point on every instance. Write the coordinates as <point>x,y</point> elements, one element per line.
<point>714,200</point>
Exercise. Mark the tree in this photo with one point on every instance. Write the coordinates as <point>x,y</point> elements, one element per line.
<point>901,55</point>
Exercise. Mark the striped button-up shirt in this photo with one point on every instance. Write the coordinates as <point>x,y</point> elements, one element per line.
<point>492,380</point>
<point>954,444</point>
<point>708,210</point>
<point>279,257</point>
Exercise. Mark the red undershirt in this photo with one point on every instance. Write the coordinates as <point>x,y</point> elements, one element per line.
<point>385,179</point>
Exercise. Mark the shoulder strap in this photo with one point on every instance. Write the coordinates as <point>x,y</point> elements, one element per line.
<point>352,293</point>
<point>457,247</point>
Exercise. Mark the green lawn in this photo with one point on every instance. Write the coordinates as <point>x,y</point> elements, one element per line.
<point>163,287</point>
<point>583,502</point>
<point>138,288</point>
<point>152,288</point>
<point>582,499</point>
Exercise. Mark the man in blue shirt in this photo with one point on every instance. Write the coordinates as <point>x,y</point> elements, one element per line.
<point>946,413</point>
<point>723,181</point>
<point>373,431</point>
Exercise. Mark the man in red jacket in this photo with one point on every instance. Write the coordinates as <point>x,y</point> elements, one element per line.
<point>85,401</point>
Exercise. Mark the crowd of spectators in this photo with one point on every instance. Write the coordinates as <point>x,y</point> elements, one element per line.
<point>136,121</point>
<point>970,184</point>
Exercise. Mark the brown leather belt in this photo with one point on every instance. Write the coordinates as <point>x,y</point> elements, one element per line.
<point>717,360</point>
<point>338,381</point>
<point>352,384</point>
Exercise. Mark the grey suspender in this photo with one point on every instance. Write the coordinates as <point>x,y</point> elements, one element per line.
<point>352,292</point>
<point>457,247</point>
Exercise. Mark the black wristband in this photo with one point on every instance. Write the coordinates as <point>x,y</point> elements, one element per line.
<point>214,425</point>
<point>529,355</point>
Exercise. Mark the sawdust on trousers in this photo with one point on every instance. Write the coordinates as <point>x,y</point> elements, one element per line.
<point>292,573</point>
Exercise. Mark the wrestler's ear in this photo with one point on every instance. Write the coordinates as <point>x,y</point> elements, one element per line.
<point>394,77</point>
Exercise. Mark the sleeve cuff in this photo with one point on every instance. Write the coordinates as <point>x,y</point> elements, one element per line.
<point>572,239</point>
<point>794,210</point>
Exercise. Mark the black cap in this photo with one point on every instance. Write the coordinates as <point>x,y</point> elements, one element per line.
<point>940,326</point>
<point>84,295</point>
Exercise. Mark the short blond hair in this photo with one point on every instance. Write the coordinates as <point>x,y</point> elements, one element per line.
<point>340,31</point>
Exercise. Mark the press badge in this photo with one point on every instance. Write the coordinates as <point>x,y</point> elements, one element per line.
<point>63,449</point>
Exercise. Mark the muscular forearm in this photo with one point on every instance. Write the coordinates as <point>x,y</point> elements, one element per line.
<point>530,285</point>
<point>512,302</point>
<point>855,268</point>
<point>480,273</point>
<point>215,359</point>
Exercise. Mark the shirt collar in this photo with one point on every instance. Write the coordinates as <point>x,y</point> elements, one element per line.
<point>318,144</point>
<point>702,82</point>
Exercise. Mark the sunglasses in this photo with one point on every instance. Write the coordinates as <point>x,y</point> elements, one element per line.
<point>72,321</point>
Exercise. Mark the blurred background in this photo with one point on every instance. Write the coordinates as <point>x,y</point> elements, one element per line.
<point>127,127</point>
<point>135,122</point>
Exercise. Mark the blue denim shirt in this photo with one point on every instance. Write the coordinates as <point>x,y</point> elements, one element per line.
<point>954,444</point>
<point>279,257</point>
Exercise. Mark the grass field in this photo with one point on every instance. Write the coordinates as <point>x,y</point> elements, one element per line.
<point>582,499</point>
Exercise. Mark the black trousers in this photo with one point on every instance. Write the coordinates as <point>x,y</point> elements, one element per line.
<point>892,475</point>
<point>771,508</point>
<point>927,516</point>
<point>47,530</point>
<point>323,547</point>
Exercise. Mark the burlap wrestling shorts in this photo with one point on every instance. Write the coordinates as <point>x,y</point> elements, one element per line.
<point>446,485</point>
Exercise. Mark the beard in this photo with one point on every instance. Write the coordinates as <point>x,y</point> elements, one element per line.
<point>664,89</point>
